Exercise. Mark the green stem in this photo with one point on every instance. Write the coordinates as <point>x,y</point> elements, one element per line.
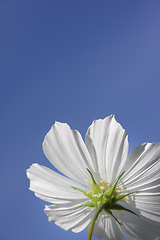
<point>99,209</point>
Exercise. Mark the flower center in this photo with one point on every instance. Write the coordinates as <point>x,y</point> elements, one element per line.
<point>103,185</point>
<point>104,196</point>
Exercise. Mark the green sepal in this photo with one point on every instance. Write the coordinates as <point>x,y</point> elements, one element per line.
<point>110,191</point>
<point>87,194</point>
<point>87,204</point>
<point>114,217</point>
<point>95,187</point>
<point>120,207</point>
<point>119,197</point>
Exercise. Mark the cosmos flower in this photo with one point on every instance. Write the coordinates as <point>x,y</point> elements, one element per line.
<point>99,174</point>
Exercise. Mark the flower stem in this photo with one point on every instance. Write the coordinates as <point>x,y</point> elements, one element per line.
<point>99,209</point>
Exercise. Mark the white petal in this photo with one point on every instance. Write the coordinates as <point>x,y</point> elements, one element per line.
<point>53,187</point>
<point>144,176</point>
<point>107,227</point>
<point>107,143</point>
<point>144,166</point>
<point>66,150</point>
<point>137,228</point>
<point>67,218</point>
<point>149,205</point>
<point>134,156</point>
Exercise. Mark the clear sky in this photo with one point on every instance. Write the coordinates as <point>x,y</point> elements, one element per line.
<point>70,61</point>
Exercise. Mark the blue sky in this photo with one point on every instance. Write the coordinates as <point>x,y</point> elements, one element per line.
<point>70,61</point>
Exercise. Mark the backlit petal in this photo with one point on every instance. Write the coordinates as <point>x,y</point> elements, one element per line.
<point>137,228</point>
<point>51,186</point>
<point>107,227</point>
<point>67,218</point>
<point>66,150</point>
<point>107,143</point>
<point>144,176</point>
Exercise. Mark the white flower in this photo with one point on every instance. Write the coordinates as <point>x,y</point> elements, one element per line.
<point>104,154</point>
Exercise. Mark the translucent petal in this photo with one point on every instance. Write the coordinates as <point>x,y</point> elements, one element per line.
<point>149,205</point>
<point>137,228</point>
<point>67,218</point>
<point>51,186</point>
<point>144,176</point>
<point>134,156</point>
<point>107,143</point>
<point>66,150</point>
<point>144,166</point>
<point>107,227</point>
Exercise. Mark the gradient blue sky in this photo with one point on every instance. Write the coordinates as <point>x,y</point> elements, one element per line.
<point>70,61</point>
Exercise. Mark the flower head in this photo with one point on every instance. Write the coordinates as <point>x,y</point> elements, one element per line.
<point>100,182</point>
